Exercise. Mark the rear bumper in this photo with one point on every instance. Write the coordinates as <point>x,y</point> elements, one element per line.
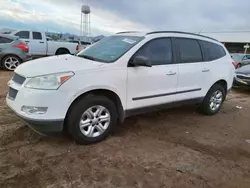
<point>42,127</point>
<point>26,57</point>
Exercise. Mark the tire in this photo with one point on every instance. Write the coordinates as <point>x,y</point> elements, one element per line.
<point>80,110</point>
<point>11,62</point>
<point>206,104</point>
<point>62,52</point>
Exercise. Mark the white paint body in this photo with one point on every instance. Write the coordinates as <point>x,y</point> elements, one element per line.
<point>126,82</point>
<point>42,47</point>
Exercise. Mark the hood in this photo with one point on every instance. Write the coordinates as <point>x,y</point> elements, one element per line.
<point>55,64</point>
<point>243,70</point>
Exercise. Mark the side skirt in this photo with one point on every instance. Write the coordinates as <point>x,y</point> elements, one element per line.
<point>160,107</point>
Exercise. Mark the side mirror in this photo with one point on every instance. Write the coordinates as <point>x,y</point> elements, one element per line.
<point>141,61</point>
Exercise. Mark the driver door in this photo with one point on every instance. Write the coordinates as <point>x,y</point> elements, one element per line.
<point>150,86</point>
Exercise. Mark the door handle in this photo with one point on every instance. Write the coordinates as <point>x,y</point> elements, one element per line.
<point>42,42</point>
<point>205,70</point>
<point>170,73</point>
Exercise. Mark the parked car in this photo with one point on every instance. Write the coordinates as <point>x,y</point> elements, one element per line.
<point>245,60</point>
<point>237,57</point>
<point>242,77</point>
<point>241,59</point>
<point>121,75</point>
<point>13,52</point>
<point>40,46</point>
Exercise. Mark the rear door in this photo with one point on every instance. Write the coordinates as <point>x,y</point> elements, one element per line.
<point>193,72</point>
<point>4,45</point>
<point>24,36</point>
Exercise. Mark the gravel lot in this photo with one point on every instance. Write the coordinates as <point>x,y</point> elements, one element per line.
<point>173,148</point>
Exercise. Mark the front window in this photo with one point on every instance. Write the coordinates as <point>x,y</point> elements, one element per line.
<point>247,56</point>
<point>110,49</point>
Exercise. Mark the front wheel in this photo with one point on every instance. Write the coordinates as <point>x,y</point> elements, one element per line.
<point>91,119</point>
<point>213,100</point>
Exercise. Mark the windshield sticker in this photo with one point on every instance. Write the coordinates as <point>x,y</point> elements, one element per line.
<point>129,41</point>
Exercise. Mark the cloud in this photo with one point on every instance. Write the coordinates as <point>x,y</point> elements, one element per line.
<point>110,16</point>
<point>182,14</point>
<point>63,14</point>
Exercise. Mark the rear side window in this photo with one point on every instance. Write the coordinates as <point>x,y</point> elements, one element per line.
<point>159,51</point>
<point>37,35</point>
<point>85,43</point>
<point>189,50</point>
<point>23,34</point>
<point>4,40</point>
<point>212,51</point>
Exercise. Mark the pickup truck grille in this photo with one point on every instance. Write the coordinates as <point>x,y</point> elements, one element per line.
<point>18,79</point>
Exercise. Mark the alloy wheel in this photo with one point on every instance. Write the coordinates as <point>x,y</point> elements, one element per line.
<point>216,100</point>
<point>94,121</point>
<point>11,63</point>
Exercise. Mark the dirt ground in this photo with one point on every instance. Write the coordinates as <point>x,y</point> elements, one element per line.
<point>175,148</point>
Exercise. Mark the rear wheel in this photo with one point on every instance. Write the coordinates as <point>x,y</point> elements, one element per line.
<point>91,119</point>
<point>213,100</point>
<point>11,62</point>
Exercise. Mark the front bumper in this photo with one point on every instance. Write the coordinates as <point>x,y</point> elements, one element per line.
<point>241,83</point>
<point>42,127</point>
<point>57,103</point>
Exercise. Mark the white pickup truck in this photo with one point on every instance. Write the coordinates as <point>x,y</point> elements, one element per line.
<point>40,46</point>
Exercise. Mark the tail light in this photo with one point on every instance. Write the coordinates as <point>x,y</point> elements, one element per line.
<point>234,64</point>
<point>22,46</point>
<point>77,47</point>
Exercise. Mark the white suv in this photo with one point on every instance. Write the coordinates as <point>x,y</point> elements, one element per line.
<point>119,76</point>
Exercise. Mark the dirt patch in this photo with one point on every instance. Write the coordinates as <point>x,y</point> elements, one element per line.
<point>150,150</point>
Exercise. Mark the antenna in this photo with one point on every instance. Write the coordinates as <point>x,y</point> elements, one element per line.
<point>200,31</point>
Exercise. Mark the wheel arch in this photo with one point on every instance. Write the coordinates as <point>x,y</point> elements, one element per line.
<point>61,48</point>
<point>222,82</point>
<point>104,92</point>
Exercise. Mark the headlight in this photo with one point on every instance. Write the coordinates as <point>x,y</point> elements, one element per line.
<point>49,82</point>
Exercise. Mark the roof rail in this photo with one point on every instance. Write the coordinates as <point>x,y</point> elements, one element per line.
<point>127,32</point>
<point>180,32</point>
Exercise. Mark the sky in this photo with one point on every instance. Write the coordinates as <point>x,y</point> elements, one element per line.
<point>111,16</point>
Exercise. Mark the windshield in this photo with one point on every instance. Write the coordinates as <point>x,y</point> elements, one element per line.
<point>110,49</point>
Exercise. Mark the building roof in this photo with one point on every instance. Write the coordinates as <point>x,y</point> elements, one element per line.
<point>234,37</point>
<point>227,36</point>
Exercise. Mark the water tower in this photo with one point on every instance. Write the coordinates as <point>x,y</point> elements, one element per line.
<point>85,22</point>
